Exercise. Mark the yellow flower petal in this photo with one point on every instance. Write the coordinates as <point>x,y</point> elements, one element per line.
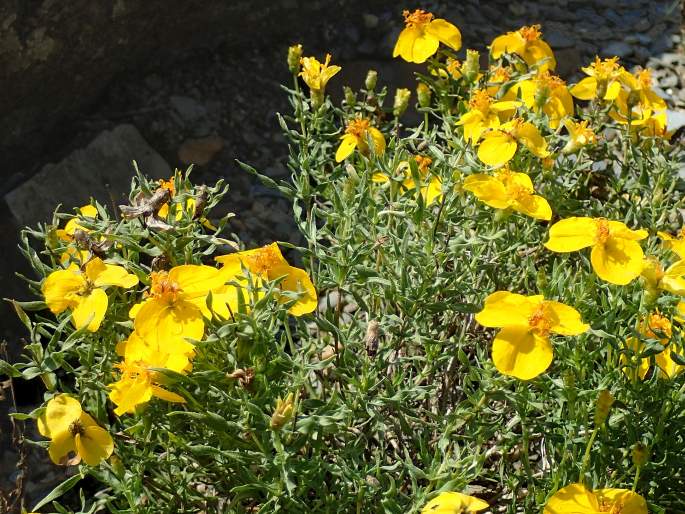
<point>497,148</point>
<point>194,280</point>
<point>378,140</point>
<point>618,261</point>
<point>169,325</point>
<point>61,445</point>
<point>126,394</point>
<point>346,148</point>
<point>59,413</point>
<point>95,444</point>
<point>452,502</point>
<point>586,89</point>
<point>574,498</point>
<point>538,50</point>
<point>531,138</point>
<point>503,308</point>
<point>518,352</point>
<point>534,206</point>
<point>445,32</point>
<point>627,502</point>
<point>167,396</point>
<point>568,321</point>
<point>90,310</point>
<point>666,363</point>
<point>571,234</point>
<point>634,344</point>
<point>507,43</point>
<point>61,289</point>
<point>102,275</point>
<point>297,280</point>
<point>424,45</point>
<point>488,190</point>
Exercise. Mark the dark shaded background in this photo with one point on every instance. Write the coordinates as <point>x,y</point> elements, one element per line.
<point>88,86</point>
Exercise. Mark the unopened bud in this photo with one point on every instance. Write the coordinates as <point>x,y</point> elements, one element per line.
<point>117,465</point>
<point>423,93</point>
<point>402,96</point>
<point>604,402</point>
<point>371,79</point>
<point>283,413</point>
<point>350,97</point>
<point>569,378</point>
<point>316,97</point>
<point>471,67</point>
<point>294,55</point>
<point>541,280</point>
<point>640,454</point>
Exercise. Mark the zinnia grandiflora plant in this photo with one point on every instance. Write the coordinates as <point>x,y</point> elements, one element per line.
<point>479,311</point>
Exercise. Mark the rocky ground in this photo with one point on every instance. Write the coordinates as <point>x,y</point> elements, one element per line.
<point>213,106</point>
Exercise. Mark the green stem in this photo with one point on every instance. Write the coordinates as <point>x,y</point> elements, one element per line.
<point>586,456</point>
<point>637,477</point>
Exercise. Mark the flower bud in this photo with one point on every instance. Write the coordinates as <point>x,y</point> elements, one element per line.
<point>117,466</point>
<point>423,93</point>
<point>541,280</point>
<point>604,402</point>
<point>640,453</point>
<point>294,55</point>
<point>471,67</point>
<point>371,79</point>
<point>401,103</point>
<point>283,413</point>
<point>317,98</point>
<point>350,97</point>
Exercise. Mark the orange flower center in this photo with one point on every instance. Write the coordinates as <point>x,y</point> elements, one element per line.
<point>357,127</point>
<point>644,78</point>
<point>423,163</point>
<point>75,428</point>
<point>605,69</point>
<point>163,287</point>
<point>583,133</point>
<point>545,80</point>
<point>539,321</point>
<point>610,507</point>
<point>603,234</point>
<point>419,18</point>
<point>500,74</point>
<point>480,101</point>
<point>263,260</point>
<point>133,370</point>
<point>530,33</point>
<point>657,326</point>
<point>453,67</point>
<point>168,185</point>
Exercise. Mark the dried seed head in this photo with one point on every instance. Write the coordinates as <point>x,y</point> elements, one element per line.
<point>371,338</point>
<point>604,402</point>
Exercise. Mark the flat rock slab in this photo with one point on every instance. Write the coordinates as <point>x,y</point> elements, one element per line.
<point>102,170</point>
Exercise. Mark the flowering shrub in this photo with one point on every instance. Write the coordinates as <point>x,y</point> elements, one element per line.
<point>184,373</point>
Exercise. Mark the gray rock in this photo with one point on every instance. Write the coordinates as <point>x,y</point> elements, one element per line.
<point>618,48</point>
<point>661,44</point>
<point>642,25</point>
<point>101,170</point>
<point>557,39</point>
<point>189,109</point>
<point>676,119</point>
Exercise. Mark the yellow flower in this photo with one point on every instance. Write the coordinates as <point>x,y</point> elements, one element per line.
<point>67,233</point>
<point>616,255</point>
<point>138,382</point>
<point>547,93</point>
<point>422,35</point>
<point>670,280</point>
<point>675,244</point>
<point>316,75</point>
<point>359,134</point>
<point>654,126</point>
<point>637,89</point>
<point>576,499</point>
<point>283,413</point>
<point>176,305</point>
<point>509,190</point>
<point>430,192</point>
<point>498,75</point>
<point>268,264</point>
<point>602,81</point>
<point>499,145</point>
<point>453,503</point>
<point>522,348</point>
<point>654,326</point>
<point>70,429</point>
<point>83,292</point>
<point>484,113</point>
<point>526,43</point>
<point>579,134</point>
